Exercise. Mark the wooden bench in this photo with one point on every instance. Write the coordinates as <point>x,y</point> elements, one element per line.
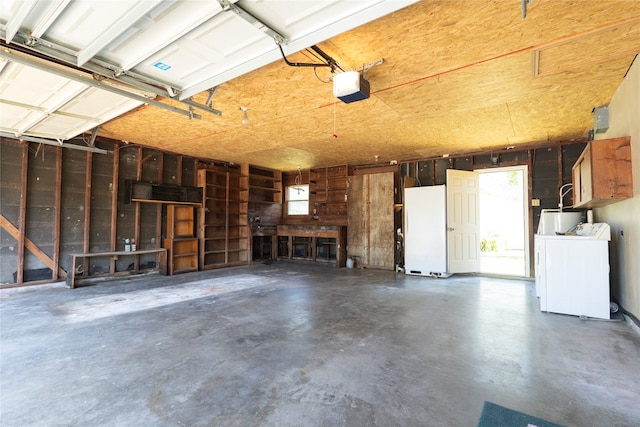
<point>161,262</point>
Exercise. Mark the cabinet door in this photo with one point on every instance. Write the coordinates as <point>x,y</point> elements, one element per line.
<point>357,219</point>
<point>586,180</point>
<point>370,211</point>
<point>382,234</point>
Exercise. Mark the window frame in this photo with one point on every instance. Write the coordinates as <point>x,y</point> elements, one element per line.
<point>288,200</point>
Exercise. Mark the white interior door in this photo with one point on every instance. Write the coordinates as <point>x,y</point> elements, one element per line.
<point>463,225</point>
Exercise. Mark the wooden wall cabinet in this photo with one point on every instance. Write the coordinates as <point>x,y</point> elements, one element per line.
<point>181,243</point>
<point>602,174</point>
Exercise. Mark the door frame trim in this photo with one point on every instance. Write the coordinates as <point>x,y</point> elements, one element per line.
<point>525,207</point>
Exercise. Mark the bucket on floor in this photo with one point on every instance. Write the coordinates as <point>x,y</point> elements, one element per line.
<point>350,262</point>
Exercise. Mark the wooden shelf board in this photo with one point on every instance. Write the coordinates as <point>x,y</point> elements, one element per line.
<point>220,251</point>
<point>264,202</point>
<point>261,188</point>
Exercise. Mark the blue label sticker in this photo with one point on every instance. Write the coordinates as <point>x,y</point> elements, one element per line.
<point>162,66</point>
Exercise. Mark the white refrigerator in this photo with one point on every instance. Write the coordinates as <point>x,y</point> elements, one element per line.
<point>425,231</point>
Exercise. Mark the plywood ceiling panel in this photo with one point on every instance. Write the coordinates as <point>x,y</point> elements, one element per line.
<point>457,77</point>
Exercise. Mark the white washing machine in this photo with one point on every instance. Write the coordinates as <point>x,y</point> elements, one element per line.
<point>572,271</point>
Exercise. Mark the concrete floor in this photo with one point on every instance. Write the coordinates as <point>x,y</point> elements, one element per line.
<point>292,345</point>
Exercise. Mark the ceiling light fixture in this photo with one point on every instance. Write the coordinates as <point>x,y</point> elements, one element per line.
<point>245,118</point>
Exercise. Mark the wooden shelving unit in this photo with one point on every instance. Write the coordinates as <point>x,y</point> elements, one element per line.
<point>223,225</point>
<point>264,209</point>
<point>328,188</point>
<point>265,194</point>
<point>181,243</point>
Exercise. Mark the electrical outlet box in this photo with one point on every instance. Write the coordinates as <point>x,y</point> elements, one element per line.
<point>535,202</point>
<point>600,119</point>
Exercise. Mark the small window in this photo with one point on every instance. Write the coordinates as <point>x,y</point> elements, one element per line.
<point>298,199</point>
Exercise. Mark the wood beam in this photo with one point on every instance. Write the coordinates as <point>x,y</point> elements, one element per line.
<point>530,154</point>
<point>226,222</point>
<point>159,206</point>
<point>179,171</point>
<point>22,215</point>
<point>57,214</point>
<point>87,212</point>
<point>136,231</point>
<point>42,256</point>
<point>114,206</point>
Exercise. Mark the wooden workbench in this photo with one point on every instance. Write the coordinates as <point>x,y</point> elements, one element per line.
<point>161,262</point>
<point>324,243</point>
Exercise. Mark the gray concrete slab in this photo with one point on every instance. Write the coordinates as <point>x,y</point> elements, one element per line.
<point>293,345</point>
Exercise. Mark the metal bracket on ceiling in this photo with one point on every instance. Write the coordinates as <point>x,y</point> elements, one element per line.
<point>212,92</point>
<point>94,133</point>
<point>55,142</point>
<point>366,67</point>
<point>191,103</point>
<point>253,20</point>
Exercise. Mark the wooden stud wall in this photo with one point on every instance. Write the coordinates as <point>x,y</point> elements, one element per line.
<point>65,201</point>
<point>85,213</point>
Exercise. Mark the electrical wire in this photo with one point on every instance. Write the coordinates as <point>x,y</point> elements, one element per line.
<point>315,71</point>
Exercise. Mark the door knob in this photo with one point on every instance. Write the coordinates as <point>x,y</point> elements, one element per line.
<point>450,228</point>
